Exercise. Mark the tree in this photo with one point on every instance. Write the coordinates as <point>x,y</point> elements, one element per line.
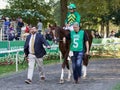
<point>35,8</point>
<point>63,4</point>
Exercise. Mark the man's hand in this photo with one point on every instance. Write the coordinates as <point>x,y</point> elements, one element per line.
<point>26,57</point>
<point>87,53</point>
<point>48,47</point>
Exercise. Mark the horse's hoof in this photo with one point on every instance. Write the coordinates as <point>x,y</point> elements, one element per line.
<point>68,79</point>
<point>61,81</point>
<point>84,76</point>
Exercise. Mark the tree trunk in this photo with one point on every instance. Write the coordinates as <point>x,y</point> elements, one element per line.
<point>63,4</point>
<point>107,28</point>
<point>102,29</point>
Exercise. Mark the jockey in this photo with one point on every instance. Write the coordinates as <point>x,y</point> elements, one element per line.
<point>72,16</point>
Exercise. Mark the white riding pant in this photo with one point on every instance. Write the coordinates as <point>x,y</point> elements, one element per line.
<point>69,28</point>
<point>32,59</point>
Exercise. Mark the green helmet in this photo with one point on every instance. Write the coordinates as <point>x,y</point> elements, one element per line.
<point>72,6</point>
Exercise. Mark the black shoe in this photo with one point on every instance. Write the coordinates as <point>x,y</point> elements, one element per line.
<point>28,81</point>
<point>43,78</point>
<point>76,82</point>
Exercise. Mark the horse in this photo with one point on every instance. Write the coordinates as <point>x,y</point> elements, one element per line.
<point>58,34</point>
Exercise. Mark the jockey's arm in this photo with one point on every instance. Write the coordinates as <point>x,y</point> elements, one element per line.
<point>78,17</point>
<point>66,20</point>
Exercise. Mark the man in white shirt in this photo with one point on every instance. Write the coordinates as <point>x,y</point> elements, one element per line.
<point>35,51</point>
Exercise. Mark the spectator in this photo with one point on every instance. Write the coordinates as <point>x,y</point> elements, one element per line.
<point>112,34</point>
<point>39,26</point>
<point>11,28</point>
<point>11,35</point>
<point>20,24</point>
<point>48,36</point>
<point>26,32</point>
<point>6,27</point>
<point>27,28</point>
<point>97,35</point>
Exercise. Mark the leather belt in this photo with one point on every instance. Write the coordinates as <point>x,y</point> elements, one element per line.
<point>32,53</point>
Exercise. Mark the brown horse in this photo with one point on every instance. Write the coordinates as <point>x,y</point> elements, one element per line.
<point>64,46</point>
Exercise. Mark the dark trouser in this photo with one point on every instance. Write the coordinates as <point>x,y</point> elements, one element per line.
<point>77,64</point>
<point>18,33</point>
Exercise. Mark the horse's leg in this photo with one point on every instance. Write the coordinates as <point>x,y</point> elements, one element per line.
<point>85,63</point>
<point>65,63</point>
<point>69,54</point>
<point>62,73</point>
<point>65,52</point>
<point>69,71</point>
<point>86,57</point>
<point>62,49</point>
<point>84,69</point>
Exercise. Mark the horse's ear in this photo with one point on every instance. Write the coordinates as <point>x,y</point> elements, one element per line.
<point>50,25</point>
<point>55,25</point>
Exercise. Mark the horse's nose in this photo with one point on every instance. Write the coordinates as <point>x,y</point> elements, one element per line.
<point>56,40</point>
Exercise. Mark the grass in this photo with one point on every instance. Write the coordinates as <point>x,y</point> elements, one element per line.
<point>117,87</point>
<point>9,69</point>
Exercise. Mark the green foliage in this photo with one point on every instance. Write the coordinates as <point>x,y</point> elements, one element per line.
<point>117,87</point>
<point>57,13</point>
<point>106,46</point>
<point>94,12</point>
<point>117,34</point>
<point>115,16</point>
<point>30,10</point>
<point>9,69</point>
<point>52,56</point>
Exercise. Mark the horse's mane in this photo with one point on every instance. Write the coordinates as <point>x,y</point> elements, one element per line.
<point>62,31</point>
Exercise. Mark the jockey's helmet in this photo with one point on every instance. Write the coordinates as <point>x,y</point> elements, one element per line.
<point>72,6</point>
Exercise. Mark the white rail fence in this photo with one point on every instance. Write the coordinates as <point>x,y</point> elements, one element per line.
<point>19,50</point>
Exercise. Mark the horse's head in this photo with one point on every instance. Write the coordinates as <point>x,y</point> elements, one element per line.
<point>58,33</point>
<point>55,33</point>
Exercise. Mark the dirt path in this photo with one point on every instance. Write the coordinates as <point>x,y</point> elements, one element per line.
<point>102,75</point>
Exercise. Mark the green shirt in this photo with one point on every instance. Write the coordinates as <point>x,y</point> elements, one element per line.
<point>72,17</point>
<point>77,40</point>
